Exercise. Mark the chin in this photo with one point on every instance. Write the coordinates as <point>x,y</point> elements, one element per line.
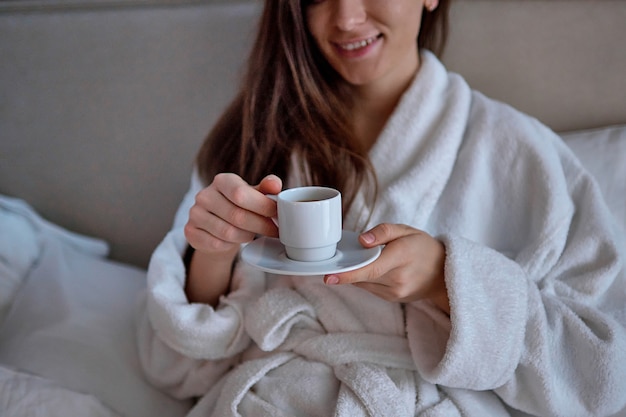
<point>358,80</point>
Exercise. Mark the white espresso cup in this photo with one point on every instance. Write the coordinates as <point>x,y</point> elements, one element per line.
<point>309,222</point>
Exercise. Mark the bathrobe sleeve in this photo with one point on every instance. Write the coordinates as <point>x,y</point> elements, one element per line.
<point>534,276</point>
<point>185,348</point>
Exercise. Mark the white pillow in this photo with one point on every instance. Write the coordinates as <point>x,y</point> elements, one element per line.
<point>72,322</point>
<point>603,152</point>
<point>20,245</point>
<point>19,250</point>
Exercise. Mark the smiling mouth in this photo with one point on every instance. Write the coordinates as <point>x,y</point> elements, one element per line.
<point>353,46</point>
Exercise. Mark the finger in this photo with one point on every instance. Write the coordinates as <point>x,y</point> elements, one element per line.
<point>203,241</point>
<point>209,226</point>
<point>384,233</point>
<point>249,208</point>
<point>373,272</point>
<point>237,217</point>
<point>270,185</point>
<point>244,196</point>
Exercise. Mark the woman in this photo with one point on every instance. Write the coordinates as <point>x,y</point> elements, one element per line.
<point>500,287</point>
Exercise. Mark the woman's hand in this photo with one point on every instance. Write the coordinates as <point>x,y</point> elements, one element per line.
<point>225,214</point>
<point>410,267</point>
<point>230,212</point>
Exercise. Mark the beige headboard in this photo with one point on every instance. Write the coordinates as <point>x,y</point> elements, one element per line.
<point>103,103</point>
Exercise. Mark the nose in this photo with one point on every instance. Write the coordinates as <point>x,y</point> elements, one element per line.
<point>349,14</point>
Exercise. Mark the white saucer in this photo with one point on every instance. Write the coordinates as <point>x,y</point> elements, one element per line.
<point>268,254</point>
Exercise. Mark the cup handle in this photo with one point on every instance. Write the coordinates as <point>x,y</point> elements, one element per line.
<point>275,198</point>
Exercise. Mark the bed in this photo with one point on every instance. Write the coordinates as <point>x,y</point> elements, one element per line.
<point>103,104</point>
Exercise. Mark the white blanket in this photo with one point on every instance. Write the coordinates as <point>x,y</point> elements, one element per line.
<point>534,271</point>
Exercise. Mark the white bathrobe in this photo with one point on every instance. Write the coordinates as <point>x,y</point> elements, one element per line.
<point>533,270</point>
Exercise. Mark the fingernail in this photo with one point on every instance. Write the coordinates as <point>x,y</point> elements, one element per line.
<point>368,237</point>
<point>332,280</point>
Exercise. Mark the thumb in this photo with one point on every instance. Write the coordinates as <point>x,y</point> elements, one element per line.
<point>384,233</point>
<point>271,184</point>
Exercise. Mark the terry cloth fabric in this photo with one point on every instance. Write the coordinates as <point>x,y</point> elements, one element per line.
<point>533,271</point>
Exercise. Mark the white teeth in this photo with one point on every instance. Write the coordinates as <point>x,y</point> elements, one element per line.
<point>357,45</point>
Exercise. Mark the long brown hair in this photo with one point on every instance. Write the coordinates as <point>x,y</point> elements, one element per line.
<point>291,102</point>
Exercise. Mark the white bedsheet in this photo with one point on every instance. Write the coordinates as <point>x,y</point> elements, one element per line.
<point>23,395</point>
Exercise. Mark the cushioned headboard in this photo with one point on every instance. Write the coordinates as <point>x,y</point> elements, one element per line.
<point>104,103</point>
<point>561,61</point>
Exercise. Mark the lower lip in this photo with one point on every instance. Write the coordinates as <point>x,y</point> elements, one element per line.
<point>359,52</point>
